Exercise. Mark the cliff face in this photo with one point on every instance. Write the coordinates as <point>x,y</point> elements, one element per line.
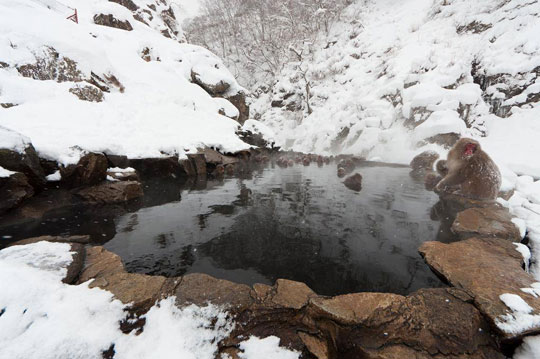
<point>397,77</point>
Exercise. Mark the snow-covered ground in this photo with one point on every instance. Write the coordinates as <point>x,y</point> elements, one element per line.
<point>41,317</point>
<point>155,111</point>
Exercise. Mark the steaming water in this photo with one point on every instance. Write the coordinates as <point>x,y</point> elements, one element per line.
<point>299,223</point>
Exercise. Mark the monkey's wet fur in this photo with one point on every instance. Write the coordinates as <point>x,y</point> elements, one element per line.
<point>467,171</point>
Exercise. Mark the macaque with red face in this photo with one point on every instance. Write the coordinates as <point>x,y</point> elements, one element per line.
<point>471,170</point>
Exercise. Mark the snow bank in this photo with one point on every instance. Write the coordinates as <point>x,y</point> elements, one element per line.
<point>267,348</point>
<point>160,112</point>
<point>519,318</point>
<point>530,349</point>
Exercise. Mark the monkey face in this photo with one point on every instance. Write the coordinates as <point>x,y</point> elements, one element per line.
<point>470,149</point>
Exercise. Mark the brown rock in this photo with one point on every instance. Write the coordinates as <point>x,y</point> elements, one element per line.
<point>239,101</point>
<point>13,191</point>
<point>216,158</point>
<point>214,89</point>
<point>52,66</point>
<point>446,140</point>
<point>485,268</point>
<point>158,167</point>
<point>107,271</point>
<point>26,162</point>
<point>354,182</point>
<point>315,345</point>
<point>291,294</point>
<point>112,192</point>
<point>492,221</point>
<point>91,169</point>
<point>424,161</point>
<point>127,4</point>
<point>199,162</point>
<point>87,93</point>
<point>110,21</point>
<point>117,161</point>
<point>355,309</point>
<point>201,289</point>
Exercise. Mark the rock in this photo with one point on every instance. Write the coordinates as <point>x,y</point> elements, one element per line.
<point>117,161</point>
<point>112,192</point>
<point>158,167</point>
<point>49,167</point>
<point>199,163</point>
<point>431,179</point>
<point>239,101</point>
<point>111,21</point>
<point>13,191</point>
<point>354,182</point>
<point>130,5</point>
<point>494,221</point>
<point>446,140</point>
<point>55,239</point>
<point>50,65</point>
<point>291,294</point>
<point>87,93</point>
<point>76,266</point>
<point>216,158</point>
<point>214,89</point>
<point>315,345</point>
<point>252,138</point>
<point>23,159</point>
<point>421,325</point>
<point>91,169</point>
<point>201,289</point>
<point>485,268</point>
<point>108,273</point>
<point>424,161</point>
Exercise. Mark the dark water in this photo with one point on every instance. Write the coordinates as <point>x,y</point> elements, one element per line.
<point>299,223</point>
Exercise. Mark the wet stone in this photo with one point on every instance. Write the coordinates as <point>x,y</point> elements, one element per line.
<point>485,268</point>
<point>112,192</point>
<point>492,221</point>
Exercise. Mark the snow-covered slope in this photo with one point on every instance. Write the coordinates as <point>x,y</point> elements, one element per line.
<point>395,75</point>
<point>68,86</point>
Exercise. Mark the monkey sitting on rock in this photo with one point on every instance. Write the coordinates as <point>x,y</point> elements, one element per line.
<point>469,171</point>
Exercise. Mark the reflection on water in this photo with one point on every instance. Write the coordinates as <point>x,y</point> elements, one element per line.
<point>298,223</point>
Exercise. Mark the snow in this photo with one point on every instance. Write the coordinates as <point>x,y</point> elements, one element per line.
<point>530,349</point>
<point>267,348</point>
<point>54,177</point>
<point>12,140</point>
<point>519,318</point>
<point>525,252</point>
<point>41,317</point>
<point>5,173</point>
<point>159,113</point>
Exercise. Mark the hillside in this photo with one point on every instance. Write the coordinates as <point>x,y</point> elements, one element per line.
<point>395,78</point>
<point>121,81</point>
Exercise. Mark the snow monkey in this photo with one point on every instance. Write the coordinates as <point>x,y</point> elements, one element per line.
<point>472,170</point>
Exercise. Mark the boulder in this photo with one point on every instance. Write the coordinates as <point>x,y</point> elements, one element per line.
<point>87,93</point>
<point>217,88</point>
<point>486,268</point>
<point>107,272</point>
<point>90,170</point>
<point>112,192</point>
<point>494,221</point>
<point>216,158</point>
<point>117,161</point>
<point>14,189</point>
<point>20,156</point>
<point>201,289</point>
<point>239,101</point>
<point>199,163</point>
<point>110,21</point>
<point>424,161</point>
<point>446,140</point>
<point>354,182</point>
<point>50,65</point>
<point>158,167</point>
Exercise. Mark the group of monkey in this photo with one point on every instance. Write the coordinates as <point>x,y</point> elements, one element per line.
<point>468,171</point>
